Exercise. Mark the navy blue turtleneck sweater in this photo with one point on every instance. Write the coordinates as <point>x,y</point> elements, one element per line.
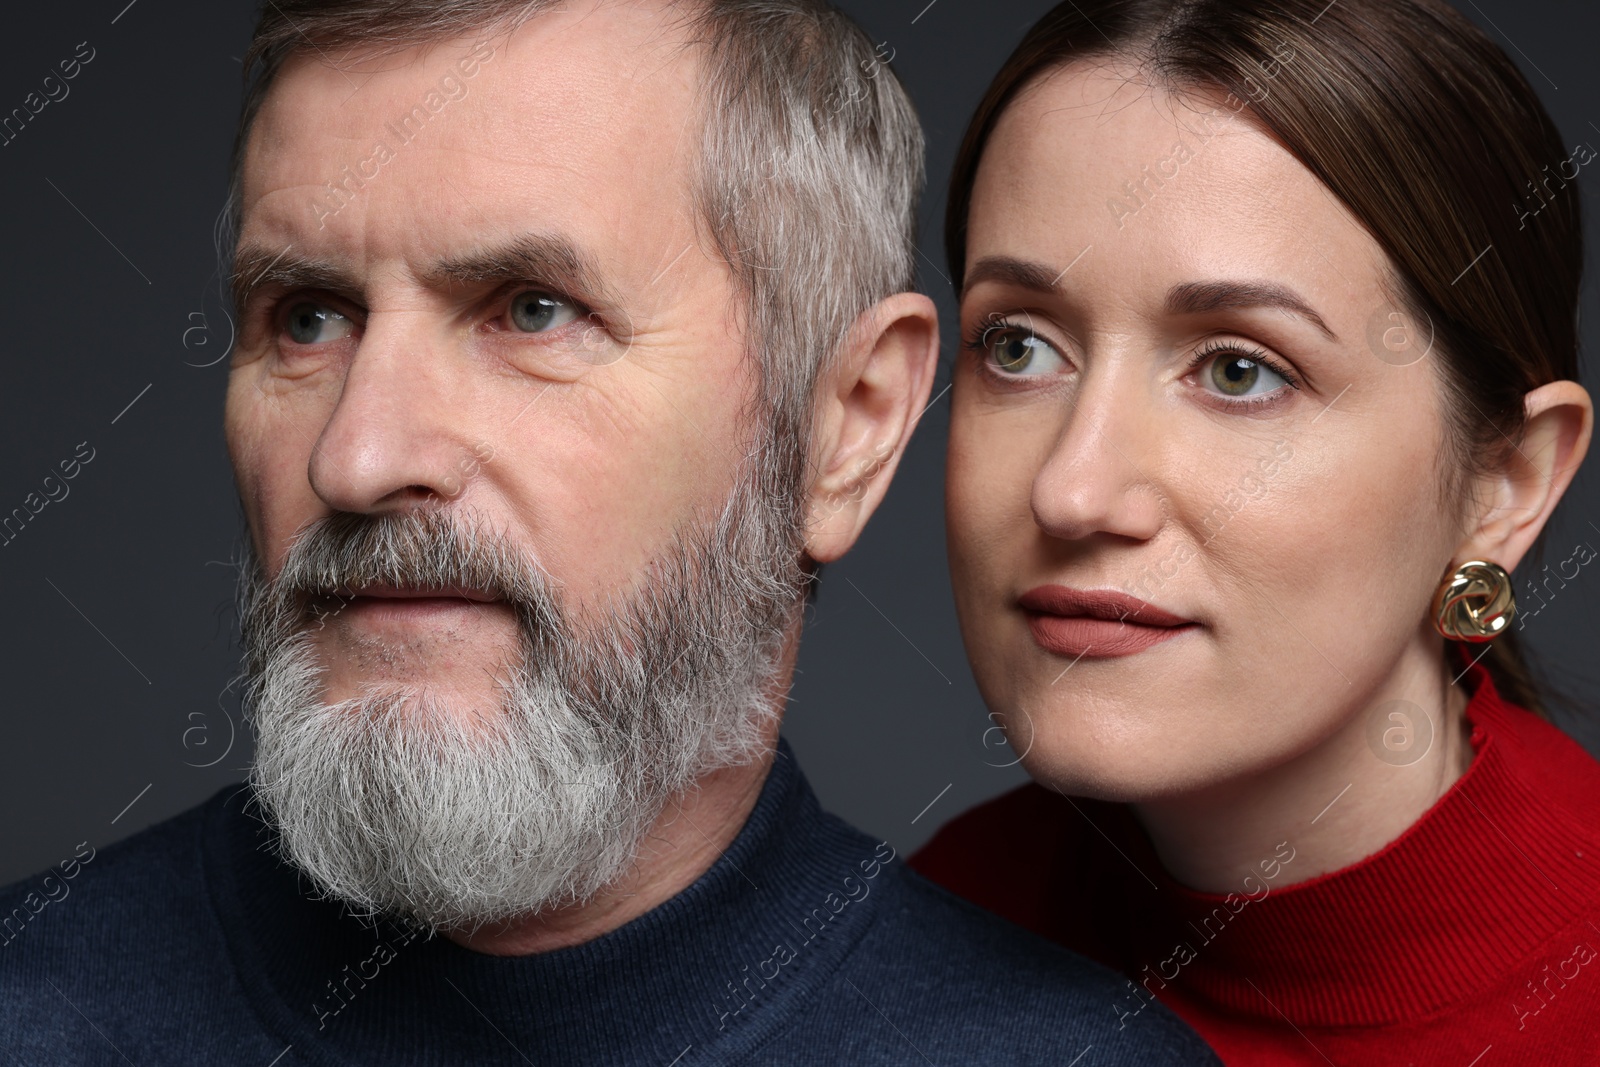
<point>806,943</point>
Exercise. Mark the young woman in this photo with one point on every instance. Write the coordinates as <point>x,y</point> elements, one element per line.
<point>1269,311</point>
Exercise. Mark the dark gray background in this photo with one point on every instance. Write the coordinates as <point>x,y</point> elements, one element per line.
<point>118,632</point>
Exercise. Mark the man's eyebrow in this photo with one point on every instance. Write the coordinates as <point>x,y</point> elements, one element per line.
<point>545,259</point>
<point>258,266</point>
<point>1196,298</point>
<point>548,259</point>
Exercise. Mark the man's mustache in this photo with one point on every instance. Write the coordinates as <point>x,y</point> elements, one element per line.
<point>335,557</point>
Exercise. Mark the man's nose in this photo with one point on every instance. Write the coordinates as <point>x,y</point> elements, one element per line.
<point>395,438</point>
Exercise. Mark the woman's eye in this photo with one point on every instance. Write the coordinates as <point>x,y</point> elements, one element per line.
<point>1020,353</point>
<point>1234,375</point>
<point>312,324</point>
<point>533,311</point>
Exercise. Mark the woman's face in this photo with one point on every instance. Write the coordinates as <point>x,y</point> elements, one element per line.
<point>1195,515</point>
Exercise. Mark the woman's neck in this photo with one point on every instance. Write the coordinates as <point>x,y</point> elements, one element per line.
<point>1337,803</point>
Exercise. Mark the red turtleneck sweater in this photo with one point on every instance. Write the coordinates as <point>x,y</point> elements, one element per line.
<point>1472,940</point>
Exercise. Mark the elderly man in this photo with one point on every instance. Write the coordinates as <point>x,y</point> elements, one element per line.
<point>572,339</point>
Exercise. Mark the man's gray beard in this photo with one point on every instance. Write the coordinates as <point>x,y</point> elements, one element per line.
<point>395,802</point>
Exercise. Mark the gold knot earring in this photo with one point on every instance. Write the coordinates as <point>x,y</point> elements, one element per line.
<point>1475,603</point>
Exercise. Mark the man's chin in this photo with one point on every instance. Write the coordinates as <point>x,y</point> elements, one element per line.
<point>450,814</point>
<point>454,674</point>
<point>426,709</point>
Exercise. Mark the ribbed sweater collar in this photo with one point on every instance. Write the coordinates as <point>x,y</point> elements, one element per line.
<point>1466,895</point>
<point>341,991</point>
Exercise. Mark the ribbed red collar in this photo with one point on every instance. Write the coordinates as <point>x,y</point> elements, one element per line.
<point>1474,888</point>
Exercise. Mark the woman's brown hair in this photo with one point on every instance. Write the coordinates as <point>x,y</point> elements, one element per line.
<point>1428,134</point>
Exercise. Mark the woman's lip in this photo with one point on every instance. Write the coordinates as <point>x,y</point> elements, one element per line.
<point>1091,605</point>
<point>1096,622</point>
<point>1082,635</point>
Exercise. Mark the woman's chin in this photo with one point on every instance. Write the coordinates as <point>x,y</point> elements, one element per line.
<point>1116,776</point>
<point>1123,762</point>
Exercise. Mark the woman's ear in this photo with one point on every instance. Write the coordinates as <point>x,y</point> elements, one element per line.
<point>867,406</point>
<point>1520,496</point>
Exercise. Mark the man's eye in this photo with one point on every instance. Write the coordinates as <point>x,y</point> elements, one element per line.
<point>536,311</point>
<point>312,324</point>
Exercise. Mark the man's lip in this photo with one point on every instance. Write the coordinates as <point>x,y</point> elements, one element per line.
<point>1106,604</point>
<point>392,592</point>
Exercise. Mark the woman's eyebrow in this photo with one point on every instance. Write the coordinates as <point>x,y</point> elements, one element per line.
<point>1185,298</point>
<point>1009,270</point>
<point>1196,298</point>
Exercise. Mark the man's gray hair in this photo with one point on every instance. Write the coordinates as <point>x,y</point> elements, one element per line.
<point>807,183</point>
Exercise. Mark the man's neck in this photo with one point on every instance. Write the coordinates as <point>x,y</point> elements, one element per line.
<point>691,833</point>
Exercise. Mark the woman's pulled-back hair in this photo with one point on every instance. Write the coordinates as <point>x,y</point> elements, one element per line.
<point>1425,130</point>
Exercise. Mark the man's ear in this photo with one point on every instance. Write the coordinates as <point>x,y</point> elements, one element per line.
<point>1521,495</point>
<point>868,403</point>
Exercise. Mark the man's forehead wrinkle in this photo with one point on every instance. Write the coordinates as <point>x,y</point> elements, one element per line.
<point>481,184</point>
<point>387,278</point>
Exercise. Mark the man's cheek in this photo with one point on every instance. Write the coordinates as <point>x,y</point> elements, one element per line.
<point>274,486</point>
